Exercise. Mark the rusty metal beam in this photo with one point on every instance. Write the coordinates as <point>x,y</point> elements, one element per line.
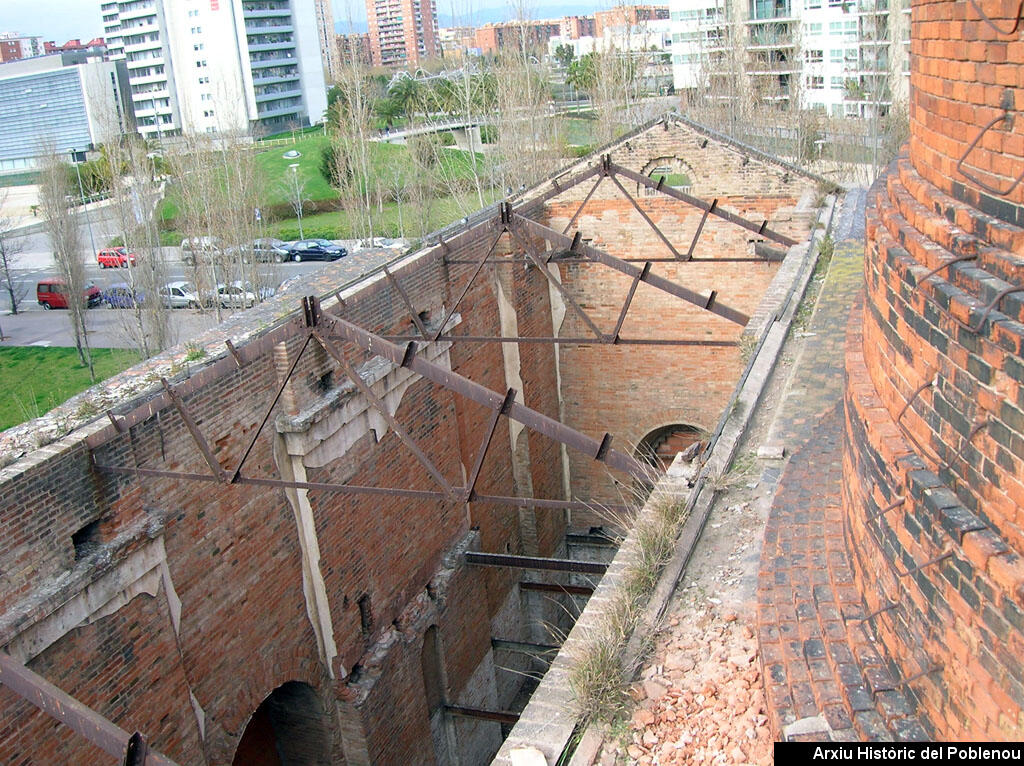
<point>266,416</point>
<point>357,489</point>
<point>83,720</point>
<point>535,562</point>
<point>560,186</point>
<point>643,214</point>
<point>382,409</point>
<point>629,299</point>
<point>408,303</point>
<point>218,471</point>
<point>761,228</point>
<point>567,341</point>
<point>553,587</point>
<point>510,396</point>
<point>583,204</point>
<point>512,261</point>
<point>455,307</point>
<point>540,230</point>
<point>501,716</point>
<point>536,421</point>
<point>700,227</point>
<point>566,295</point>
<point>523,647</point>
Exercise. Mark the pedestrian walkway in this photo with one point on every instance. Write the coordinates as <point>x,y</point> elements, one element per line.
<point>824,676</point>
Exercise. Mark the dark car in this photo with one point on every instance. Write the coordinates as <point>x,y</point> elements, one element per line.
<point>121,295</point>
<point>315,250</point>
<point>266,250</point>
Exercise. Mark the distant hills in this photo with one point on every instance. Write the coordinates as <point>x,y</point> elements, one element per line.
<point>494,14</point>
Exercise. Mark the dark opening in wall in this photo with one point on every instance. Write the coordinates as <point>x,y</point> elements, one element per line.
<point>86,540</point>
<point>365,614</point>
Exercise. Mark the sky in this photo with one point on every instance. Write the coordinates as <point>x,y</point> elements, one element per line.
<point>62,20</point>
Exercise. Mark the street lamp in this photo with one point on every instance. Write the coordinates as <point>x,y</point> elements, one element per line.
<point>81,192</point>
<point>294,167</point>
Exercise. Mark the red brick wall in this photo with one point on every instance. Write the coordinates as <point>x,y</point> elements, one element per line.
<point>965,73</point>
<point>629,391</point>
<point>948,557</point>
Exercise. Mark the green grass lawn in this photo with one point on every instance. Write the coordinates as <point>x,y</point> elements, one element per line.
<point>334,225</point>
<point>34,380</point>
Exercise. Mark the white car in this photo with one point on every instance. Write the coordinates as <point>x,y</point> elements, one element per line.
<point>179,295</point>
<point>235,296</point>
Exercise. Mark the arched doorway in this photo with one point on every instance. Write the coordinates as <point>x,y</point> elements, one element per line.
<point>289,728</point>
<point>660,446</point>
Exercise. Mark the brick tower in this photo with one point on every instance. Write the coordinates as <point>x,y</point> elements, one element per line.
<point>934,454</point>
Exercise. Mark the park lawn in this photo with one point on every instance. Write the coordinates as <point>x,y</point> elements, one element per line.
<point>334,225</point>
<point>34,380</point>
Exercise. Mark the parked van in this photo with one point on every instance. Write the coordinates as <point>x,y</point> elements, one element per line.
<point>204,247</point>
<point>53,294</point>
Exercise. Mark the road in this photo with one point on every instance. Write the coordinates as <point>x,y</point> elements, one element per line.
<point>112,328</point>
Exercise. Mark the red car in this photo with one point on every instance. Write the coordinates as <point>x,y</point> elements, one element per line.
<point>114,257</point>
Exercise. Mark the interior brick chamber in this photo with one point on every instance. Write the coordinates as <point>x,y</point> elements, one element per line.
<point>934,449</point>
<point>183,609</point>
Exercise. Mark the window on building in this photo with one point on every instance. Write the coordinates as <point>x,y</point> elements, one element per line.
<point>814,56</point>
<point>835,55</point>
<point>816,82</point>
<point>812,4</point>
<point>812,29</point>
<point>836,83</point>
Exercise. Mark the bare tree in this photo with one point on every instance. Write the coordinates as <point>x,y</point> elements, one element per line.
<point>11,246</point>
<point>134,193</point>
<point>56,200</point>
<point>294,187</point>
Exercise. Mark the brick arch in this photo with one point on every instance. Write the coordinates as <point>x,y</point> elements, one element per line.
<point>678,165</point>
<point>663,442</point>
<point>290,725</point>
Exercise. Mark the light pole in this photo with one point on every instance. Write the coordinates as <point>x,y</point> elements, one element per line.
<point>85,205</point>
<point>294,167</point>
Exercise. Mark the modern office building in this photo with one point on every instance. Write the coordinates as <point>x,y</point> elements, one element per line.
<point>402,32</point>
<point>61,103</point>
<point>849,58</point>
<point>14,46</point>
<point>221,65</point>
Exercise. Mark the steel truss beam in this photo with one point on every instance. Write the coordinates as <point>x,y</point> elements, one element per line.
<point>406,357</point>
<point>479,714</point>
<point>536,421</point>
<point>553,587</point>
<point>760,229</point>
<point>539,230</point>
<point>535,562</point>
<point>129,749</point>
<point>567,341</point>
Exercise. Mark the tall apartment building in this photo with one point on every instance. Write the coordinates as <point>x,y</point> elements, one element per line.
<point>490,38</point>
<point>217,65</point>
<point>847,57</point>
<point>326,36</point>
<point>14,46</point>
<point>402,32</point>
<point>628,16</point>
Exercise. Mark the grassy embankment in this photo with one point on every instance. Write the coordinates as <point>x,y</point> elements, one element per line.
<point>34,380</point>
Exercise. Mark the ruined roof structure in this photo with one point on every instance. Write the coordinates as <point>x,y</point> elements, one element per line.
<point>352,524</point>
<point>352,529</point>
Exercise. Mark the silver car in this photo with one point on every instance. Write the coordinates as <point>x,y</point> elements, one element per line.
<point>179,295</point>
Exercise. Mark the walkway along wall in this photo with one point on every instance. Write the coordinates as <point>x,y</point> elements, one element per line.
<point>935,401</point>
<point>179,605</point>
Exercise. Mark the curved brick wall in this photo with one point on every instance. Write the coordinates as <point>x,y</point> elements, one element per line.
<point>935,397</point>
<point>966,72</point>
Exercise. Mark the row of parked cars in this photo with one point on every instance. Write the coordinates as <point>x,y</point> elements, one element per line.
<point>52,294</point>
<point>263,250</point>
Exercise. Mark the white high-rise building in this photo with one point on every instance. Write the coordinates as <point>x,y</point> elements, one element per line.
<point>847,57</point>
<point>217,65</point>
